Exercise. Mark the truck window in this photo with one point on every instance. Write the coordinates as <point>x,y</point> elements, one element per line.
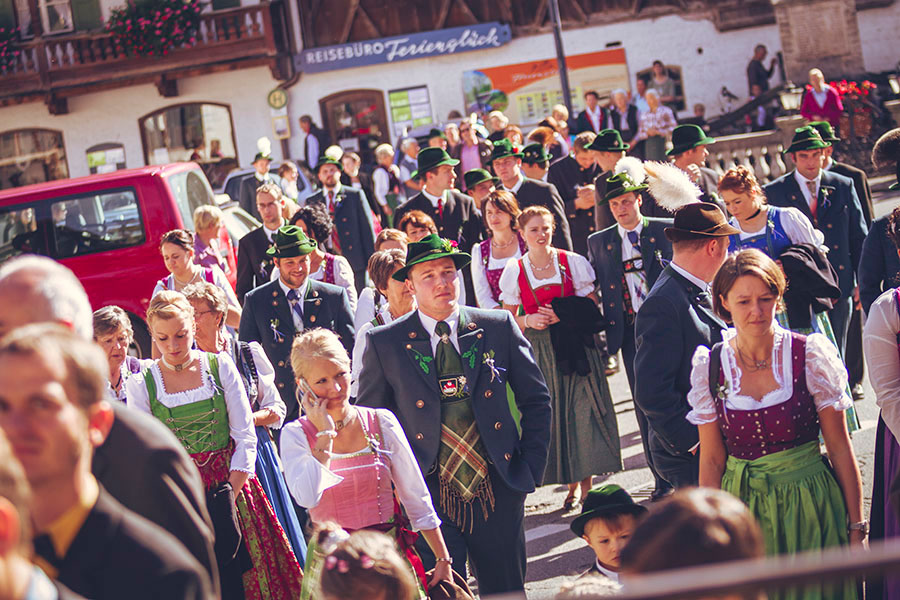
<point>108,220</point>
<point>19,232</point>
<point>190,189</point>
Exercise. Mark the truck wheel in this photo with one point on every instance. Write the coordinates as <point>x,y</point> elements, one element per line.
<point>141,345</point>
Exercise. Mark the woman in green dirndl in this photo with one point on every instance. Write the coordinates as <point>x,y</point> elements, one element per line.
<point>584,434</point>
<point>760,399</point>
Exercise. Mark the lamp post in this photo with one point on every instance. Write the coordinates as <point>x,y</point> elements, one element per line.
<point>561,55</point>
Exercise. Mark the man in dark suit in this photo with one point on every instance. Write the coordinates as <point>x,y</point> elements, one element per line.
<point>593,117</point>
<point>506,161</point>
<point>254,266</point>
<point>353,235</point>
<point>689,154</point>
<point>140,462</point>
<point>879,264</point>
<point>455,214</point>
<point>249,185</point>
<point>675,318</point>
<point>472,152</point>
<point>443,371</point>
<point>83,537</point>
<point>607,149</point>
<point>275,312</point>
<point>574,178</point>
<point>628,258</point>
<point>854,357</point>
<point>314,142</point>
<point>830,202</point>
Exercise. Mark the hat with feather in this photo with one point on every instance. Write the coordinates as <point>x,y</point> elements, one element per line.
<point>886,153</point>
<point>675,192</point>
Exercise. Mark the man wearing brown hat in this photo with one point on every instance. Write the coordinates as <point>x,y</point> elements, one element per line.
<point>675,318</point>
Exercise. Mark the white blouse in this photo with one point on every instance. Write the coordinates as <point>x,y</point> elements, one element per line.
<point>359,349</point>
<point>240,419</point>
<point>797,227</point>
<point>366,308</point>
<point>483,294</point>
<point>268,392</point>
<point>582,274</point>
<point>826,377</point>
<point>882,358</point>
<point>307,478</point>
<point>343,277</point>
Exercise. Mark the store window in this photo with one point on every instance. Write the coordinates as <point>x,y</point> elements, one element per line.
<point>198,132</point>
<point>56,16</point>
<point>31,156</point>
<point>357,121</point>
<point>674,73</point>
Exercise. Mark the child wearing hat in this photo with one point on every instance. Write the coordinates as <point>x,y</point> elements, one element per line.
<point>609,515</point>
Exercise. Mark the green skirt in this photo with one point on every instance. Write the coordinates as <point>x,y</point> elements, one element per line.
<point>584,433</point>
<point>799,506</point>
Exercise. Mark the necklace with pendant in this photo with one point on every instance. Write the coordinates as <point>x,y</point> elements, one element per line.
<point>503,246</point>
<point>176,368</point>
<point>338,425</point>
<point>758,365</point>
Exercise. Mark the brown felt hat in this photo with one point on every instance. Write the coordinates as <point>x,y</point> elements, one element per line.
<point>699,220</point>
<point>458,589</point>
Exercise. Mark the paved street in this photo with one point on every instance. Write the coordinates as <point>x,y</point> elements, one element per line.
<point>555,554</point>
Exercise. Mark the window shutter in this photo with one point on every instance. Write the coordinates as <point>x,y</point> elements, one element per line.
<point>85,14</point>
<point>7,14</point>
<point>220,4</point>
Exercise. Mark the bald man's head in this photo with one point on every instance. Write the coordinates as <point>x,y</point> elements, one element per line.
<point>36,289</point>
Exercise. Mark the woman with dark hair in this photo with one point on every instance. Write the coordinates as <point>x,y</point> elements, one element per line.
<point>177,249</point>
<point>760,398</point>
<point>323,266</point>
<point>499,210</point>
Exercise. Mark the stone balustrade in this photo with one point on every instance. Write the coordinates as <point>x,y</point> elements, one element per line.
<point>759,151</point>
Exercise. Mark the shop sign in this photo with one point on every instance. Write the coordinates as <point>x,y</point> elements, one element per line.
<point>404,47</point>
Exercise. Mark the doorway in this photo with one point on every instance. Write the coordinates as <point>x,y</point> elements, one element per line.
<point>357,121</point>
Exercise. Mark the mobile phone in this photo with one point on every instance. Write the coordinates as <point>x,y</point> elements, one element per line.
<point>307,389</point>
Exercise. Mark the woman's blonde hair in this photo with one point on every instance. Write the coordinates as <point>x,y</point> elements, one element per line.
<point>209,293</point>
<point>534,211</point>
<point>169,304</point>
<point>207,215</point>
<point>314,344</point>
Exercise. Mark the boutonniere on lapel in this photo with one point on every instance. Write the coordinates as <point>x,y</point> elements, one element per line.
<point>825,191</point>
<point>662,261</point>
<point>273,325</point>
<point>495,370</point>
<point>471,354</point>
<point>422,359</point>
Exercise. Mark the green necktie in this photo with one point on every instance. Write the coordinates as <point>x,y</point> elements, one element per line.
<point>446,356</point>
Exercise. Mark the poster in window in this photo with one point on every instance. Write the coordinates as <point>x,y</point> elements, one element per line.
<point>410,108</point>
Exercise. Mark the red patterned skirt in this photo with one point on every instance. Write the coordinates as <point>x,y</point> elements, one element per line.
<point>275,575</point>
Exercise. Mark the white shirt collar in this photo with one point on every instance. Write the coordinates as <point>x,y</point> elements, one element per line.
<point>300,290</point>
<point>703,285</point>
<point>261,177</point>
<point>623,233</point>
<point>336,189</point>
<point>431,197</point>
<point>271,232</point>
<point>429,324</point>
<point>515,189</point>
<point>611,574</point>
<point>802,180</point>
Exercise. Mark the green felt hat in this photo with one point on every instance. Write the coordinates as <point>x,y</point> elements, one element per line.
<point>432,158</point>
<point>535,154</point>
<point>261,156</point>
<point>687,137</point>
<point>503,148</point>
<point>825,130</point>
<point>608,140</point>
<point>327,160</point>
<point>476,176</point>
<point>621,184</point>
<point>290,241</point>
<point>431,247</point>
<point>435,132</point>
<point>605,501</point>
<point>806,138</point>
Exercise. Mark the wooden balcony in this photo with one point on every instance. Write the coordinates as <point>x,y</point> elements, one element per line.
<point>55,68</point>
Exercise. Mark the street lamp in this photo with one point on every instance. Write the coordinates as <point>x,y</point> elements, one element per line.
<point>791,98</point>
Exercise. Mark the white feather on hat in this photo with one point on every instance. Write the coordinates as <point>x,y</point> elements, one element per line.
<point>633,166</point>
<point>670,186</point>
<point>264,146</point>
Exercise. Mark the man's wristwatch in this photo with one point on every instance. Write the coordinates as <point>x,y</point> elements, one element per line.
<point>862,526</point>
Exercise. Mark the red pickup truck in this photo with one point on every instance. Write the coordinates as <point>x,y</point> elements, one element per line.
<point>106,228</point>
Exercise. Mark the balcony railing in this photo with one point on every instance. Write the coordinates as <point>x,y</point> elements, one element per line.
<point>71,64</point>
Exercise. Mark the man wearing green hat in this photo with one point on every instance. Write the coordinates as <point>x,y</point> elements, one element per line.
<point>689,154</point>
<point>506,161</point>
<point>574,176</point>
<point>480,184</point>
<point>535,161</point>
<point>455,214</point>
<point>249,185</point>
<point>276,311</point>
<point>830,202</point>
<point>628,257</point>
<point>353,234</point>
<point>854,358</point>
<point>443,370</point>
<point>608,148</point>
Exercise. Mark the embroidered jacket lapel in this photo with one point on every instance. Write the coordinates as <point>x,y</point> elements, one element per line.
<point>281,308</point>
<point>796,197</point>
<point>471,348</point>
<point>418,348</point>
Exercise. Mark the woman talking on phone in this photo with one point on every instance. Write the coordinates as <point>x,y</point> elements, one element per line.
<point>344,463</point>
